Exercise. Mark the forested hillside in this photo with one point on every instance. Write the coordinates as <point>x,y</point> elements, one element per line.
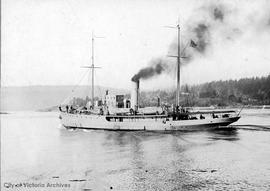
<point>254,91</point>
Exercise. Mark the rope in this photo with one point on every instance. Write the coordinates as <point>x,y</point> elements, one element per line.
<point>74,88</point>
<point>98,87</point>
<point>240,110</point>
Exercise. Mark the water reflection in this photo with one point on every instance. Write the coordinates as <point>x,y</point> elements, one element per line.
<point>209,160</point>
<point>177,160</point>
<point>226,135</point>
<point>156,160</point>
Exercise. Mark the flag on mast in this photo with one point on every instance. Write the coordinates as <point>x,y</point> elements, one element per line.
<point>193,44</point>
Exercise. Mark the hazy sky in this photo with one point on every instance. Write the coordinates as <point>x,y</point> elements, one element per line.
<point>45,42</point>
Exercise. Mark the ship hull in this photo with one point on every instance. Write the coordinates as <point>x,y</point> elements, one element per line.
<point>99,122</point>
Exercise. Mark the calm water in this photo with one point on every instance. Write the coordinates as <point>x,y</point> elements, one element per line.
<point>35,150</point>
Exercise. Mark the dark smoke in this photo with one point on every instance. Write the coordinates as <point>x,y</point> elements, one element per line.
<point>202,34</point>
<point>208,23</point>
<point>218,14</point>
<point>199,29</point>
<point>156,67</point>
<point>268,22</point>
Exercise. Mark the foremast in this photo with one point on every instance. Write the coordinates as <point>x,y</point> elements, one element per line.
<point>92,67</point>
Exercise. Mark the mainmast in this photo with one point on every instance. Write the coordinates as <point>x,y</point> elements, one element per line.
<point>178,56</point>
<point>178,67</point>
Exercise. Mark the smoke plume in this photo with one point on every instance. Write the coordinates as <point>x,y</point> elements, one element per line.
<point>208,24</point>
<point>156,67</point>
<point>218,14</point>
<point>202,34</point>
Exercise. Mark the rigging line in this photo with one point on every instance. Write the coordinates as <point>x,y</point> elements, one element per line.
<point>74,88</point>
<point>97,86</point>
<point>88,91</point>
<point>182,52</point>
<point>240,110</point>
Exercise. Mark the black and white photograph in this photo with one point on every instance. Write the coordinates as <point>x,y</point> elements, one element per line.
<point>135,95</point>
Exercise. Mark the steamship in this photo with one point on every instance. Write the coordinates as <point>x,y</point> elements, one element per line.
<point>137,119</point>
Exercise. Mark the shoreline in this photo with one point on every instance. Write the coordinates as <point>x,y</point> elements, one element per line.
<point>55,108</point>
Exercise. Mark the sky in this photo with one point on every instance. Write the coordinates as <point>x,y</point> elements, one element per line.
<point>45,42</point>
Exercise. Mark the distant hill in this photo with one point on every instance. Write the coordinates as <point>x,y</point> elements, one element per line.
<point>246,91</point>
<point>40,97</point>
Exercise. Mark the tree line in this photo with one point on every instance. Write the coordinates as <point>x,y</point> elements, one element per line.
<point>253,91</point>
<point>245,91</point>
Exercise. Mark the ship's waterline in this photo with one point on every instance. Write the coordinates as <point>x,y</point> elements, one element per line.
<point>150,123</point>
